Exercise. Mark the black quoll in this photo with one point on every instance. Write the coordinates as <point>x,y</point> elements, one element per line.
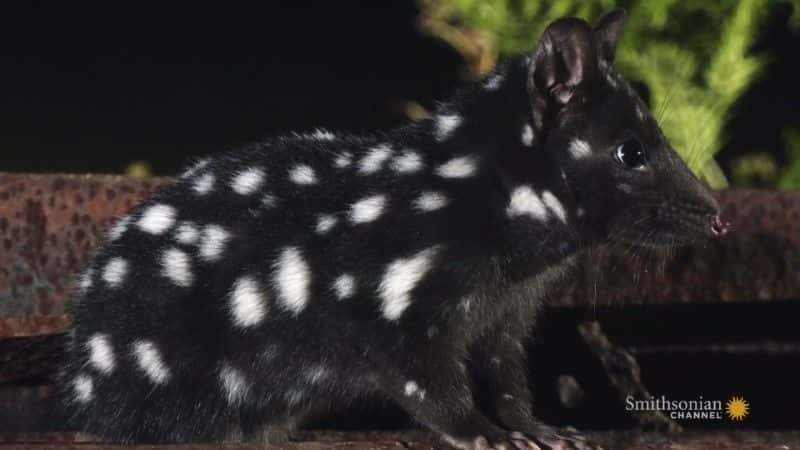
<point>295,275</point>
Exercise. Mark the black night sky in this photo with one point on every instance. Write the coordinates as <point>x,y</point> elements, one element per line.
<point>92,88</point>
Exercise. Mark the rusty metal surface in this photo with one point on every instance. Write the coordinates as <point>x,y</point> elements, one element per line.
<point>413,440</point>
<point>758,261</point>
<point>50,225</point>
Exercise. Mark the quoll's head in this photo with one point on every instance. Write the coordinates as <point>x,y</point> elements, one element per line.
<point>629,183</point>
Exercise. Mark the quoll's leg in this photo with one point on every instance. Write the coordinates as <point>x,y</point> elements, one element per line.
<point>439,395</point>
<point>274,433</point>
<point>278,430</point>
<point>500,361</point>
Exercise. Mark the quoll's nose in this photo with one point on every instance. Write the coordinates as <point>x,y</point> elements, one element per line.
<point>720,226</point>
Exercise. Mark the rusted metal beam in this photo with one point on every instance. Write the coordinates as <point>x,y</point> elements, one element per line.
<point>758,261</point>
<point>51,224</point>
<point>413,440</point>
<point>49,228</point>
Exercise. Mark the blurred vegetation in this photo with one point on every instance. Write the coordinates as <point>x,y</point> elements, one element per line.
<point>790,175</point>
<point>139,169</point>
<point>693,58</point>
<point>760,170</point>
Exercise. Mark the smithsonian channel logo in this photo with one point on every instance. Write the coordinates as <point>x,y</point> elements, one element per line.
<point>735,408</point>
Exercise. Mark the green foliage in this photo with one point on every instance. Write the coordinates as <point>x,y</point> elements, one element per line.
<point>790,178</point>
<point>754,170</point>
<point>693,57</point>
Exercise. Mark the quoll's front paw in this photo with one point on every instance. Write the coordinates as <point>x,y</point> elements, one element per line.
<point>568,438</point>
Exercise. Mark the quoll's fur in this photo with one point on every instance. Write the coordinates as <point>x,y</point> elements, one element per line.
<point>304,272</point>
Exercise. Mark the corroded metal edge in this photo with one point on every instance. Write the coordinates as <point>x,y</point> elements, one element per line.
<point>318,440</point>
<point>50,226</point>
<point>758,261</point>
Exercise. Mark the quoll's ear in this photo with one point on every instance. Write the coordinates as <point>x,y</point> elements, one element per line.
<point>607,33</point>
<point>563,63</point>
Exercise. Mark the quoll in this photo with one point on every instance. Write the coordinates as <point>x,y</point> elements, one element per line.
<point>289,277</point>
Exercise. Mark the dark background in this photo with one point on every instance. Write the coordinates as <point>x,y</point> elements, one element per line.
<point>91,88</point>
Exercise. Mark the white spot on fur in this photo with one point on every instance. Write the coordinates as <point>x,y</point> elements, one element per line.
<point>294,396</point>
<point>119,228</point>
<point>322,135</point>
<point>554,205</point>
<point>149,360</point>
<point>204,184</point>
<point>408,162</point>
<point>212,242</point>
<point>527,135</point>
<point>430,201</point>
<point>466,305</point>
<point>248,181</point>
<point>233,383</point>
<point>324,223</point>
<point>400,278</point>
<point>579,149</point>
<point>292,279</point>
<point>580,212</point>
<point>344,286</point>
<point>248,302</point>
<point>269,201</point>
<point>493,82</point>
<point>303,174</point>
<point>612,80</point>
<point>187,233</point>
<point>316,373</point>
<point>101,355</point>
<point>343,160</point>
<point>85,281</point>
<point>202,163</point>
<point>157,219</point>
<point>83,386</point>
<point>115,271</point>
<point>412,389</point>
<point>525,202</point>
<point>177,267</point>
<point>367,209</point>
<point>445,125</point>
<point>373,161</point>
<point>461,167</point>
<point>640,112</point>
<point>624,187</point>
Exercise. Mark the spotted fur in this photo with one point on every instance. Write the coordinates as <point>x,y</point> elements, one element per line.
<point>312,270</point>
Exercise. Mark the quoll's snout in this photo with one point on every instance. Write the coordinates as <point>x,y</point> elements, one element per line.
<point>720,226</point>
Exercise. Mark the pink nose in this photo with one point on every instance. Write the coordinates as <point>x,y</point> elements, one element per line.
<point>720,226</point>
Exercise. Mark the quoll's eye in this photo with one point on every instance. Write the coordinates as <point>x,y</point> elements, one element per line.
<point>631,154</point>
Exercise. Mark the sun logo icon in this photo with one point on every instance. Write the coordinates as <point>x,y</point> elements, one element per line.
<point>737,408</point>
